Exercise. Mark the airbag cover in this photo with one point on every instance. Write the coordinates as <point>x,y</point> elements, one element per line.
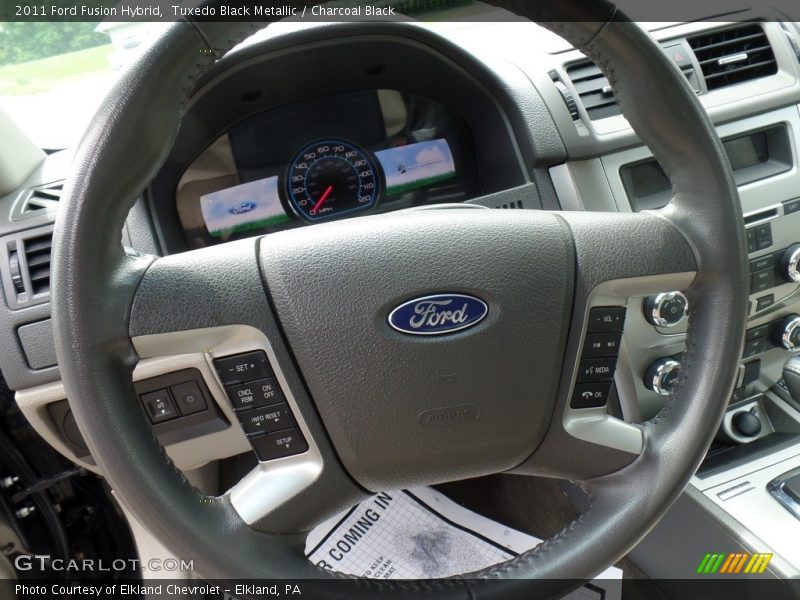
<point>408,409</point>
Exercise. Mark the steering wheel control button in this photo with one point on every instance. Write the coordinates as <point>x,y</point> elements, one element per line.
<point>666,310</point>
<point>601,344</point>
<point>279,444</point>
<point>606,319</point>
<point>243,368</point>
<point>159,406</point>
<point>596,369</point>
<point>188,398</point>
<point>786,334</point>
<point>590,395</point>
<point>790,264</point>
<point>599,357</point>
<point>661,376</point>
<point>267,419</point>
<point>180,406</point>
<point>255,394</point>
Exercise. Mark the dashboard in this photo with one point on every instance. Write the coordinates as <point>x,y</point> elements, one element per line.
<point>326,158</point>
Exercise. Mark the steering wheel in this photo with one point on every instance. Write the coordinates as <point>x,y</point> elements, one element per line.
<point>322,295</point>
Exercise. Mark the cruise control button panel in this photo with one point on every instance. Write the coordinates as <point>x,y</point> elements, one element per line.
<point>179,406</point>
<point>599,357</point>
<point>260,405</point>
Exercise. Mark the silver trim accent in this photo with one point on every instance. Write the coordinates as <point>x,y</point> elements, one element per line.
<point>733,59</point>
<point>776,490</point>
<point>792,270</point>
<point>669,366</point>
<point>655,317</point>
<point>788,331</point>
<point>444,207</point>
<point>737,490</point>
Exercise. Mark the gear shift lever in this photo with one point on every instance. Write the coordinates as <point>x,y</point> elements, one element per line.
<point>791,375</point>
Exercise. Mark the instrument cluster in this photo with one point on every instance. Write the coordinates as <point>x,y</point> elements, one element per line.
<point>327,158</point>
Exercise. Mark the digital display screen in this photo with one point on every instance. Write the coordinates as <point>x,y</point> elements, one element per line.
<point>416,165</point>
<point>252,205</point>
<point>747,151</point>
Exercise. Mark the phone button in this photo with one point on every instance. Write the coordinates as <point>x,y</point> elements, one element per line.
<point>590,395</point>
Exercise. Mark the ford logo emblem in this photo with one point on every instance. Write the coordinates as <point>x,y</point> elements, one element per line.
<point>243,208</point>
<point>436,315</point>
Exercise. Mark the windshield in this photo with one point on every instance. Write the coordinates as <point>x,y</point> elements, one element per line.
<point>53,76</point>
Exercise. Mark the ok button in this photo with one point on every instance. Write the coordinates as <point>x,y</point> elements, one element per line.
<point>596,369</point>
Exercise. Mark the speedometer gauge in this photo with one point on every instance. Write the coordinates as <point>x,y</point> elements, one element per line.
<point>332,178</point>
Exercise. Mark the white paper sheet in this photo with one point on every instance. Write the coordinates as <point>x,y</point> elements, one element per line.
<point>421,534</point>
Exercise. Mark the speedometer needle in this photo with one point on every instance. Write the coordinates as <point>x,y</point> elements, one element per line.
<point>322,199</point>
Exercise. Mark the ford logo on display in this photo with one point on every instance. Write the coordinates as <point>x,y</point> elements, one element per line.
<point>243,208</point>
<point>437,315</point>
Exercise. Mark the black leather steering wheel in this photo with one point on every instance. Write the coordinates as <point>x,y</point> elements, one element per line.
<point>321,295</point>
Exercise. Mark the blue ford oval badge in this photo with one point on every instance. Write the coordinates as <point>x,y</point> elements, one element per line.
<point>436,315</point>
<point>243,208</point>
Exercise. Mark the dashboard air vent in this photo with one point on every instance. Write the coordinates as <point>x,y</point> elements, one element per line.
<point>42,198</point>
<point>734,55</point>
<point>37,260</point>
<point>593,89</point>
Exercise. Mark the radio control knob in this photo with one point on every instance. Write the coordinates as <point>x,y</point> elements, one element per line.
<point>662,375</point>
<point>790,264</point>
<point>666,310</point>
<point>786,334</point>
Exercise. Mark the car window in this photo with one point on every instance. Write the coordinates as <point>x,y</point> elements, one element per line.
<point>53,76</point>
